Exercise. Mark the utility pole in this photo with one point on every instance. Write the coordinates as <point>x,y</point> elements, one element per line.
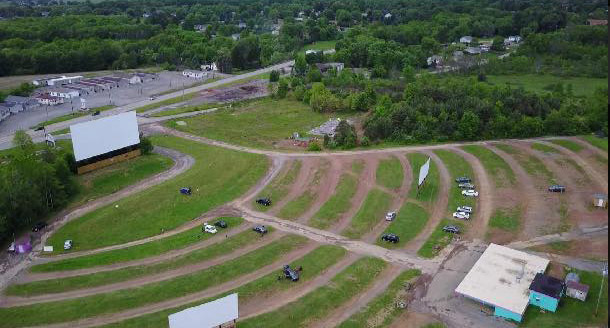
<point>601,288</point>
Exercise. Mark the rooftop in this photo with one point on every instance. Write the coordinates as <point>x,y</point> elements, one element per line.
<point>578,286</point>
<point>547,285</point>
<point>502,277</point>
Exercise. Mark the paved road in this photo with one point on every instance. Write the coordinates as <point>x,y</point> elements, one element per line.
<point>38,136</point>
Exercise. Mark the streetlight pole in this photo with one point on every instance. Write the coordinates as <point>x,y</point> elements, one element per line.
<point>601,288</point>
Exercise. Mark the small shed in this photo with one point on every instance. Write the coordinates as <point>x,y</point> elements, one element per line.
<point>577,290</point>
<point>546,291</point>
<point>600,200</point>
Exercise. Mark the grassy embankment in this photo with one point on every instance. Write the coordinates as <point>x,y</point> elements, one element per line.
<point>75,115</point>
<point>601,143</point>
<point>338,204</point>
<point>390,173</point>
<point>296,207</point>
<point>372,210</point>
<point>218,175</point>
<point>277,189</point>
<point>581,86</point>
<point>410,220</point>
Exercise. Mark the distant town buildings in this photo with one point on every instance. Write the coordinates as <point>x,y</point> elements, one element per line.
<point>466,39</point>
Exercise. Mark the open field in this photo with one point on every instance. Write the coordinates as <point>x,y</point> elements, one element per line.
<point>75,115</point>
<point>581,86</point>
<point>320,45</point>
<point>389,173</point>
<point>338,203</point>
<point>601,143</point>
<point>532,165</point>
<point>410,220</point>
<point>162,207</point>
<point>495,166</point>
<point>371,211</point>
<point>506,219</point>
<point>569,144</point>
<point>278,188</point>
<point>184,109</point>
<point>259,124</point>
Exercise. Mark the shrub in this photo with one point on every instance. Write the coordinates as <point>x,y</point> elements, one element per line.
<point>314,146</point>
<point>274,76</point>
<point>145,145</point>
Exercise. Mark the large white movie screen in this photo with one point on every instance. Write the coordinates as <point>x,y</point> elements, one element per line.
<point>106,134</point>
<point>423,172</point>
<point>208,315</point>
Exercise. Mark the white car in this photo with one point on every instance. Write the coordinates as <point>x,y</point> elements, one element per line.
<point>461,215</point>
<point>68,244</point>
<point>390,216</point>
<point>465,209</point>
<point>209,228</point>
<point>470,193</point>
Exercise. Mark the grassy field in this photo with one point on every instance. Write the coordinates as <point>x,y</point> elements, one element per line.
<point>430,188</point>
<point>410,220</point>
<point>572,312</point>
<point>223,247</point>
<point>569,144</point>
<point>258,124</point>
<point>320,45</point>
<point>381,311</point>
<point>458,167</point>
<point>185,109</point>
<point>296,207</point>
<point>601,143</point>
<point>390,173</point>
<point>314,263</point>
<point>532,165</point>
<point>320,302</point>
<point>506,219</point>
<point>75,115</point>
<point>74,309</point>
<point>581,86</point>
<point>438,239</point>
<point>277,189</point>
<point>370,213</point>
<point>544,148</point>
<point>218,175</point>
<point>167,102</point>
<point>495,166</point>
<point>337,204</point>
<point>137,252</point>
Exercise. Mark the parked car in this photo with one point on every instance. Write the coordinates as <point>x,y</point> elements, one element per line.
<point>466,185</point>
<point>264,201</point>
<point>451,229</point>
<point>39,226</point>
<point>186,190</point>
<point>465,209</point>
<point>290,273</point>
<point>96,113</point>
<point>557,188</point>
<point>390,216</point>
<point>209,228</point>
<point>463,180</point>
<point>260,229</point>
<point>68,244</point>
<point>461,215</point>
<point>221,224</point>
<point>40,128</point>
<point>470,193</point>
<point>391,238</point>
<point>152,98</point>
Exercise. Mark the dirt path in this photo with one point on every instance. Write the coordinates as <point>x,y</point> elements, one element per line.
<point>175,302</point>
<point>485,202</point>
<point>360,301</point>
<point>268,303</point>
<point>182,162</point>
<point>300,184</point>
<point>438,211</point>
<point>10,301</point>
<point>326,188</point>
<point>589,146</point>
<point>30,276</point>
<point>585,233</point>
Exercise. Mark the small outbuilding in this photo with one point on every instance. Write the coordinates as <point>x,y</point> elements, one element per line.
<point>577,290</point>
<point>600,200</point>
<point>546,292</point>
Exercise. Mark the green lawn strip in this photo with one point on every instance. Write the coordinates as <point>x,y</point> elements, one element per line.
<point>262,76</point>
<point>184,109</point>
<point>542,83</point>
<point>430,188</point>
<point>76,114</point>
<point>439,239</point>
<point>507,219</point>
<point>85,307</point>
<point>218,176</point>
<point>319,46</point>
<point>277,189</point>
<point>382,311</point>
<point>569,144</point>
<point>601,143</point>
<point>390,173</point>
<point>544,148</point>
<point>357,166</point>
<point>320,302</point>
<point>457,167</point>
<point>572,312</point>
<point>496,167</point>
<point>108,277</point>
<point>296,207</point>
<point>167,102</point>
<point>60,132</point>
<point>258,124</point>
<point>410,220</point>
<point>337,204</point>
<point>531,164</point>
<point>120,175</point>
<point>314,263</point>
<point>137,252</point>
<point>371,211</point>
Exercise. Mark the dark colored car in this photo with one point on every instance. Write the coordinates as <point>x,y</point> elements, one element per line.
<point>260,229</point>
<point>391,238</point>
<point>451,229</point>
<point>96,113</point>
<point>40,128</point>
<point>221,224</point>
<point>39,226</point>
<point>264,201</point>
<point>557,188</point>
<point>463,180</point>
<point>185,190</point>
<point>290,273</point>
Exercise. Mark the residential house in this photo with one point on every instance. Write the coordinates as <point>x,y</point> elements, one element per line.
<point>434,61</point>
<point>11,107</point>
<point>597,22</point>
<point>466,39</point>
<point>47,99</point>
<point>242,25</point>
<point>209,67</point>
<point>25,102</point>
<point>546,291</point>
<point>473,50</point>
<point>325,67</point>
<point>235,37</point>
<point>194,74</point>
<point>574,288</point>
<point>64,93</point>
<point>96,87</point>
<point>200,28</point>
<point>387,16</point>
<point>513,39</point>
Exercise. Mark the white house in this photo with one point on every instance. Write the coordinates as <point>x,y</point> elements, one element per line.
<point>242,25</point>
<point>466,39</point>
<point>513,39</point>
<point>64,80</point>
<point>434,60</point>
<point>209,67</point>
<point>194,74</point>
<point>25,102</point>
<point>387,16</point>
<point>64,93</point>
<point>235,36</point>
<point>46,99</point>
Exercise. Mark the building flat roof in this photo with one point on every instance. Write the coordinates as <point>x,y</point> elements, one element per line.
<point>547,285</point>
<point>502,277</point>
